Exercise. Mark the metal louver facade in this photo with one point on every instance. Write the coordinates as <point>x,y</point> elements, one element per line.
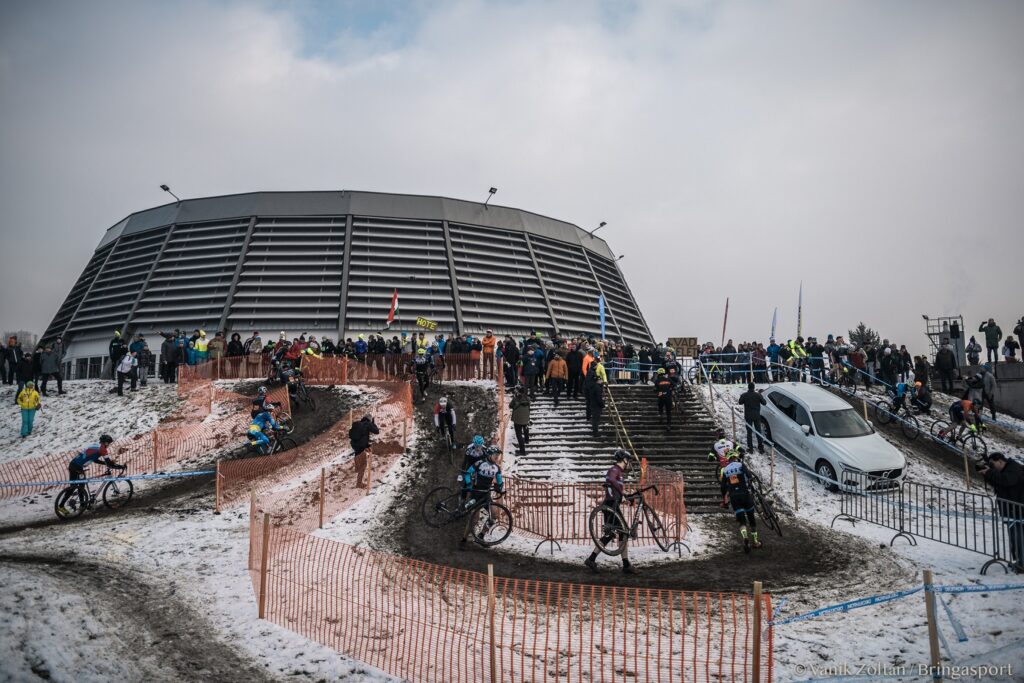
<point>328,262</point>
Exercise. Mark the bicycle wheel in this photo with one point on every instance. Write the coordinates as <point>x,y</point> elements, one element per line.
<point>974,446</point>
<point>286,422</point>
<point>285,444</point>
<point>68,505</point>
<point>692,373</point>
<point>439,506</point>
<point>767,511</point>
<point>656,527</point>
<point>939,429</point>
<point>117,493</point>
<point>884,412</point>
<point>608,529</point>
<point>910,427</point>
<point>492,526</point>
<point>310,402</point>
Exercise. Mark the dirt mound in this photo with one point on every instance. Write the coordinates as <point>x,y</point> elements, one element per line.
<point>806,555</point>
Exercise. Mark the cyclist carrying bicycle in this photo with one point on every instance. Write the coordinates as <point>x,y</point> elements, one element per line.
<point>479,479</point>
<point>445,418</point>
<point>735,481</point>
<point>97,453</point>
<point>257,432</point>
<point>614,492</point>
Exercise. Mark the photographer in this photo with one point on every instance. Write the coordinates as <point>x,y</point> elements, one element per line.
<point>1007,480</point>
<point>359,435</point>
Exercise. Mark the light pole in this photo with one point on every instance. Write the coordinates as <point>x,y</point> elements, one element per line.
<point>490,193</point>
<point>591,232</point>
<point>620,258</point>
<point>168,191</point>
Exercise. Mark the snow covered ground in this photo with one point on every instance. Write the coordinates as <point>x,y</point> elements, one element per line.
<point>892,635</point>
<point>81,415</point>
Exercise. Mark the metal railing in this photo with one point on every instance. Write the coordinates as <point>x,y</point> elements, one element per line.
<point>971,521</point>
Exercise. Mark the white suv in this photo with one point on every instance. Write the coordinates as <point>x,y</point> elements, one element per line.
<point>826,433</point>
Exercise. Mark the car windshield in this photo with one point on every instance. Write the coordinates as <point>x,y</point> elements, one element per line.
<point>838,424</point>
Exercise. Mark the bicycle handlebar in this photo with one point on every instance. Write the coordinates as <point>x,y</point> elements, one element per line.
<point>639,492</point>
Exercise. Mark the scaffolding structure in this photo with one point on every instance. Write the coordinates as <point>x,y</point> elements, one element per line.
<point>946,329</point>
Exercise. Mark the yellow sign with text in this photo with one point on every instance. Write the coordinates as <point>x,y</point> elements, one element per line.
<point>426,324</point>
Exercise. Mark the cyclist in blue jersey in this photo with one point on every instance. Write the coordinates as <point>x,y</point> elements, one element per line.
<point>257,432</point>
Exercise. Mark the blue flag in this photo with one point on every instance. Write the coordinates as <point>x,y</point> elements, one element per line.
<point>600,312</point>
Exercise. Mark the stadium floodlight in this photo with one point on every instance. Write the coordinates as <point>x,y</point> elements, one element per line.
<point>591,232</point>
<point>168,191</point>
<point>490,193</point>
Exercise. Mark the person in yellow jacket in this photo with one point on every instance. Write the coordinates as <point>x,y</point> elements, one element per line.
<point>202,346</point>
<point>799,358</point>
<point>28,401</point>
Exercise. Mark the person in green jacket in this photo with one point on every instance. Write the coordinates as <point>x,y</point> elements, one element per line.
<point>992,337</point>
<point>28,401</point>
<point>520,407</point>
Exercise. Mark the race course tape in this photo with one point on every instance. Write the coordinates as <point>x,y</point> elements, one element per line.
<point>99,480</point>
<point>851,605</point>
<point>899,595</point>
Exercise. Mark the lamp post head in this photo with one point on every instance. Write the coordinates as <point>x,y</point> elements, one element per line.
<point>492,190</point>
<point>165,188</point>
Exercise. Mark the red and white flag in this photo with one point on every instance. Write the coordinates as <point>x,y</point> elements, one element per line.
<point>394,309</point>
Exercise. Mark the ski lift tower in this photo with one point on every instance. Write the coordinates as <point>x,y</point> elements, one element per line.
<point>948,329</point>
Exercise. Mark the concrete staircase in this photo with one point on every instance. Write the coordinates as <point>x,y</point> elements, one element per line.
<point>562,447</point>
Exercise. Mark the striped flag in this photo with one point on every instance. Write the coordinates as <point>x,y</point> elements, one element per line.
<point>394,308</point>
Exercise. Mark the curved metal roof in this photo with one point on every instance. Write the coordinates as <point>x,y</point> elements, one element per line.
<point>345,202</point>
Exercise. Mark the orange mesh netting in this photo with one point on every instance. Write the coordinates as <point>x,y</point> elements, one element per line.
<point>424,622</point>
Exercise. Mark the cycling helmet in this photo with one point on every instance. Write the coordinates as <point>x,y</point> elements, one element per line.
<point>106,438</point>
<point>367,418</point>
<point>262,391</point>
<point>478,440</point>
<point>443,401</point>
<point>720,433</point>
<point>620,454</point>
<point>422,352</point>
<point>661,371</point>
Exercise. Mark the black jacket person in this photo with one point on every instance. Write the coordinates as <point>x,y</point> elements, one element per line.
<point>752,400</point>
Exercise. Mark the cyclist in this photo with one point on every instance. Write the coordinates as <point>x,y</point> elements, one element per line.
<point>672,369</point>
<point>291,377</point>
<point>734,478</point>
<point>922,398</point>
<point>257,432</point>
<point>260,404</point>
<point>964,415</point>
<point>663,387</point>
<point>445,418</point>
<point>614,489</point>
<point>479,479</point>
<point>720,456</point>
<point>421,366</point>
<point>97,452</point>
<point>899,396</point>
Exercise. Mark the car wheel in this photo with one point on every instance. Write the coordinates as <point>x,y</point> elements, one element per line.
<point>767,431</point>
<point>825,470</point>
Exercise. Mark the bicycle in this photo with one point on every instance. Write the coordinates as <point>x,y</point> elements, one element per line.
<point>846,380</point>
<point>886,412</point>
<point>763,504</point>
<point>284,419</point>
<point>444,505</point>
<point>970,441</point>
<point>278,443</point>
<point>608,522</point>
<point>449,444</point>
<point>115,495</point>
<point>302,395</point>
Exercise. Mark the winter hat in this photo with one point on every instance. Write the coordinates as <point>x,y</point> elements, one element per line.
<point>29,384</point>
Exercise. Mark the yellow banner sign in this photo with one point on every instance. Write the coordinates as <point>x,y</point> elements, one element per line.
<point>426,324</point>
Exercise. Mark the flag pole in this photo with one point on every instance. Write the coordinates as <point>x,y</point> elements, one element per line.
<point>725,320</point>
<point>800,311</point>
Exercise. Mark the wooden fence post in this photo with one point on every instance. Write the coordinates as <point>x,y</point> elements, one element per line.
<point>933,633</point>
<point>350,418</point>
<point>323,488</point>
<point>264,561</point>
<point>156,448</point>
<point>771,482</point>
<point>796,500</point>
<point>490,615</point>
<point>735,436</point>
<point>405,434</point>
<point>369,469</point>
<point>967,471</point>
<point>864,402</point>
<point>756,678</point>
<point>216,489</point>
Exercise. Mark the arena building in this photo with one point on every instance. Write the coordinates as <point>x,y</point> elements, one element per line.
<point>327,263</point>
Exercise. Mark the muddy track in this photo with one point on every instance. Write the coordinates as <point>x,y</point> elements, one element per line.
<point>806,555</point>
<point>160,635</point>
<point>195,494</point>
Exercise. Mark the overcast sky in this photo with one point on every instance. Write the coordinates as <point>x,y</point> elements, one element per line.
<point>873,150</point>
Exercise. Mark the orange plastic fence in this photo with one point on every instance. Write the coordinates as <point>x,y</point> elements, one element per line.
<point>393,416</point>
<point>188,433</point>
<point>424,622</point>
<point>560,511</point>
